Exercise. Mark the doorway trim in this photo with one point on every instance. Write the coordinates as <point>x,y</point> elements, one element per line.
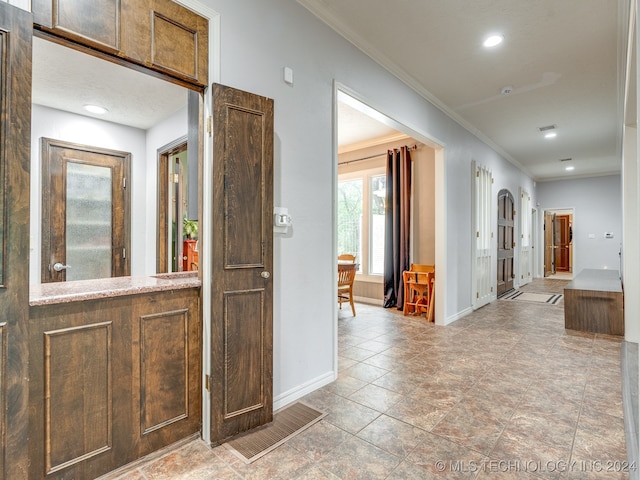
<point>572,256</point>
<point>440,198</point>
<point>205,176</point>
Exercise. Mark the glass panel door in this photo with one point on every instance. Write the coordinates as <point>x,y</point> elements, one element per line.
<point>88,221</point>
<point>85,212</point>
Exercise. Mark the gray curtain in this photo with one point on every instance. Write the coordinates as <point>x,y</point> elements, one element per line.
<point>397,225</point>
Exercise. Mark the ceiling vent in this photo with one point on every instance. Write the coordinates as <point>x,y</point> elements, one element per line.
<point>547,128</point>
<point>566,159</point>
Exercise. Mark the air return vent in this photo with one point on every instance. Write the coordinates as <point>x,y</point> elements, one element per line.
<point>547,128</point>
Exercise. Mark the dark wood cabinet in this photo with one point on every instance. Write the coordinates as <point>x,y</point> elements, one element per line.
<point>594,302</point>
<point>95,23</point>
<point>158,34</point>
<point>112,380</point>
<point>166,36</point>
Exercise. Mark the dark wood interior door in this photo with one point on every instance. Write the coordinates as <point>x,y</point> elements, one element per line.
<point>549,244</point>
<point>242,288</point>
<point>85,212</point>
<point>15,142</point>
<point>562,242</point>
<point>506,242</point>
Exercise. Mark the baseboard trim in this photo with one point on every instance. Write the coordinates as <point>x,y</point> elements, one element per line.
<point>458,316</point>
<point>368,300</point>
<point>300,391</point>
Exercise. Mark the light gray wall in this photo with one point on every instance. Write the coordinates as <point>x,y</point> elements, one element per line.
<point>597,208</point>
<point>258,39</point>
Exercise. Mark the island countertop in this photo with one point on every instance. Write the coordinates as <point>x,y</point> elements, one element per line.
<point>83,290</point>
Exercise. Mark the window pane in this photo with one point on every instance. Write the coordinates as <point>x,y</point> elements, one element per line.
<point>377,199</point>
<point>350,218</point>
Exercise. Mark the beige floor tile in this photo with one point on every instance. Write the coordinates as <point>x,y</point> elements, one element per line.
<point>503,393</point>
<point>392,435</point>
<point>357,459</point>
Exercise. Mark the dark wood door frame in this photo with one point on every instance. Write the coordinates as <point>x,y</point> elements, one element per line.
<point>558,241</point>
<point>563,242</point>
<point>121,257</point>
<point>162,257</point>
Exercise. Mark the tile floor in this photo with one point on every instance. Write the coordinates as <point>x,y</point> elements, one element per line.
<point>505,392</point>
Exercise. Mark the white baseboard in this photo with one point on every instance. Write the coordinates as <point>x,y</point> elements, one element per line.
<point>459,315</point>
<point>300,391</point>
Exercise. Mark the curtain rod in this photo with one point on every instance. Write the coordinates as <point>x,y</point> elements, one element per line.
<point>414,147</point>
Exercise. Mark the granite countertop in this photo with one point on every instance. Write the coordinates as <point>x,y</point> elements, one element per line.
<point>77,291</point>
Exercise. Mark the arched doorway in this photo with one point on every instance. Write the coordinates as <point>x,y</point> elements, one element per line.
<point>506,242</point>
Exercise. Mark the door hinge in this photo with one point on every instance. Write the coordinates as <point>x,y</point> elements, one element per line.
<point>209,125</point>
<point>124,253</point>
<point>124,182</point>
<point>514,245</point>
<point>477,294</point>
<point>207,383</point>
<point>477,234</point>
<point>492,289</point>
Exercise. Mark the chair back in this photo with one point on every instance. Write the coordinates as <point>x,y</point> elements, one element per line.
<point>346,274</point>
<point>418,267</point>
<point>347,257</point>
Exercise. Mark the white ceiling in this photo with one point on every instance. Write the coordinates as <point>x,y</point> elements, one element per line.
<point>66,79</point>
<point>562,59</point>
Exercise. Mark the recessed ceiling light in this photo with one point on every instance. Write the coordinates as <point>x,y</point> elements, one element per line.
<point>550,135</point>
<point>569,168</point>
<point>493,40</point>
<point>95,109</point>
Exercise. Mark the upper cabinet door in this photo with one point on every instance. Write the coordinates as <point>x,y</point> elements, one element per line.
<point>159,34</point>
<point>166,36</point>
<point>95,23</point>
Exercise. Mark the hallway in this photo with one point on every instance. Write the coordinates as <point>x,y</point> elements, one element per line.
<point>505,392</point>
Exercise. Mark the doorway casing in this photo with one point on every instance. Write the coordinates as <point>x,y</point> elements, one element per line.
<point>440,196</point>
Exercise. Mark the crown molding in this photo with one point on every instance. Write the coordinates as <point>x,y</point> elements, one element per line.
<point>327,17</point>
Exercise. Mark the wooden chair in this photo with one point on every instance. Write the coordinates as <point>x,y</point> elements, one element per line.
<point>346,276</point>
<point>347,257</point>
<point>419,283</point>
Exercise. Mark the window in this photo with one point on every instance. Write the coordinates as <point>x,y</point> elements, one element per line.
<point>350,217</point>
<point>361,222</point>
<point>376,201</point>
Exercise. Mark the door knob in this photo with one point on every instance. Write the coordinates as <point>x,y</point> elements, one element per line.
<point>58,267</point>
<point>265,274</point>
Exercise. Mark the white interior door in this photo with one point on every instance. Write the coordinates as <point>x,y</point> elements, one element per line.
<point>482,278</point>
